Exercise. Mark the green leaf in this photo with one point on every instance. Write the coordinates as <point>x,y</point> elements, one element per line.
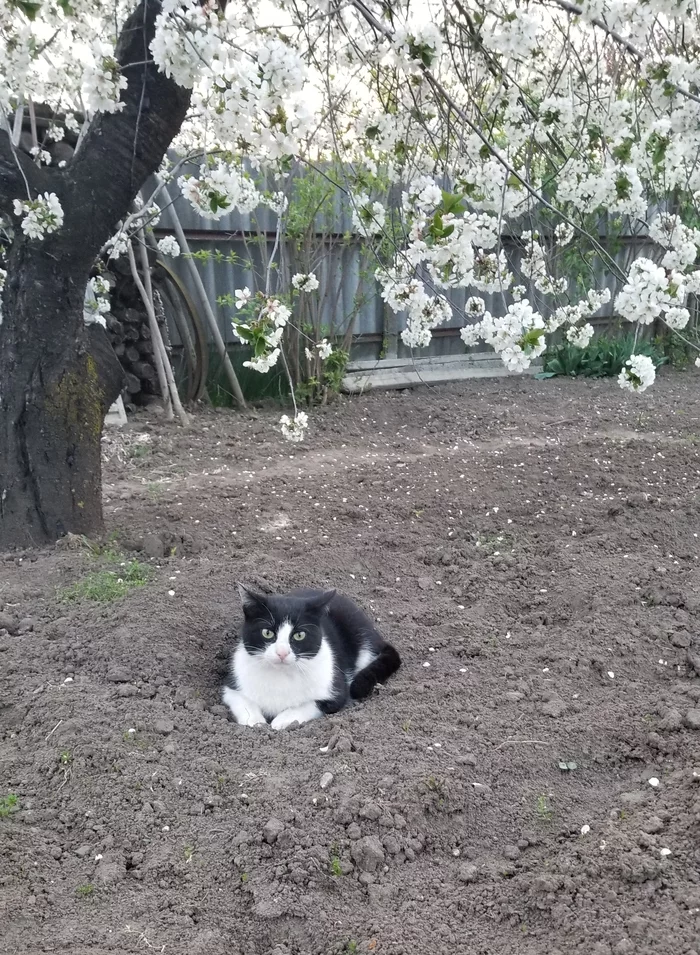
<point>29,8</point>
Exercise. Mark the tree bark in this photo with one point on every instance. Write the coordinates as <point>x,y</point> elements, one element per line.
<point>57,380</point>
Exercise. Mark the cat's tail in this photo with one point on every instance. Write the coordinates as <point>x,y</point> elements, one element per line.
<point>381,668</point>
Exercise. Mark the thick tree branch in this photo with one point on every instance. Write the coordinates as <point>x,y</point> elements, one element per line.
<point>121,150</point>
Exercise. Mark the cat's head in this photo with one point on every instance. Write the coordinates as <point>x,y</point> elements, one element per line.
<point>283,630</point>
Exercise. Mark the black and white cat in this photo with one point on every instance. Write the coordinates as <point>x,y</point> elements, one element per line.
<point>301,655</point>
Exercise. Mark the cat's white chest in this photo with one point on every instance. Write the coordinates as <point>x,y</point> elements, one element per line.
<point>277,688</point>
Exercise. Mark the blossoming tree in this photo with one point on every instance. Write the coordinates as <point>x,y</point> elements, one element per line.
<point>455,125</point>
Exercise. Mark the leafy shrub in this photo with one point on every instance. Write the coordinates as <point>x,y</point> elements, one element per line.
<point>603,357</point>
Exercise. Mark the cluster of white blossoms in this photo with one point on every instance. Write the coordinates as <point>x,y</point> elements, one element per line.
<point>103,81</point>
<point>40,216</point>
<point>651,291</point>
<point>305,282</point>
<point>556,118</point>
<point>219,190</point>
<point>368,217</point>
<point>638,374</point>
<point>534,267</point>
<point>169,245</point>
<point>518,336</point>
<point>294,429</point>
<point>264,332</point>
<point>324,350</point>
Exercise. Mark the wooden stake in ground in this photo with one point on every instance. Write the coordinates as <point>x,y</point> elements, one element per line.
<point>166,379</point>
<point>206,304</point>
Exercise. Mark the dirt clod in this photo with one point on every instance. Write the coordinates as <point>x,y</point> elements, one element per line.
<point>692,719</point>
<point>272,830</point>
<point>368,853</point>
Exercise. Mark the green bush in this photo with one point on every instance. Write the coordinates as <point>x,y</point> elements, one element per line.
<point>603,357</point>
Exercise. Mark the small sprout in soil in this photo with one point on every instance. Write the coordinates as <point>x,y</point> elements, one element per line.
<point>543,808</point>
<point>8,804</point>
<point>567,767</point>
<point>188,853</point>
<point>103,586</point>
<point>351,946</point>
<point>140,450</point>
<point>406,725</point>
<point>65,758</point>
<point>84,891</point>
<point>244,877</point>
<point>154,490</point>
<point>435,785</point>
<point>335,866</point>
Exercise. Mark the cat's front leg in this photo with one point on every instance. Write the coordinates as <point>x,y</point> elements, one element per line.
<point>245,712</point>
<point>296,714</point>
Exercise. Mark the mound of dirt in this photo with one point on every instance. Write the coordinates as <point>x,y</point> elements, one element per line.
<point>529,782</point>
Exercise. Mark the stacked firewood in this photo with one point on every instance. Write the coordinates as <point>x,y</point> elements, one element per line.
<point>127,327</point>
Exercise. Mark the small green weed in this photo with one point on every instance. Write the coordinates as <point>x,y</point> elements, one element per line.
<point>188,852</point>
<point>544,809</point>
<point>244,877</point>
<point>8,804</point>
<point>85,891</point>
<point>103,586</point>
<point>65,758</point>
<point>140,450</point>
<point>336,869</point>
<point>351,947</point>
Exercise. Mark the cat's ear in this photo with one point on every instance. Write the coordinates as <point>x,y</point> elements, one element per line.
<point>249,599</point>
<point>322,601</point>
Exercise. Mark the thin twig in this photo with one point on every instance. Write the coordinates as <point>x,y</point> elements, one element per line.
<point>522,742</point>
<point>53,731</point>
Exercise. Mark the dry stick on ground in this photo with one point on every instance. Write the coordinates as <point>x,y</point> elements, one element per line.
<point>158,338</point>
<point>208,311</point>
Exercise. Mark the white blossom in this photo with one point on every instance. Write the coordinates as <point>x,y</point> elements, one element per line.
<point>324,348</point>
<point>264,363</point>
<point>40,216</point>
<point>638,374</point>
<point>243,296</point>
<point>580,335</point>
<point>169,245</point>
<point>305,282</point>
<point>294,429</point>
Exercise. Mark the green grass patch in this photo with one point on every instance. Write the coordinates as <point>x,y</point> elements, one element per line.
<point>8,804</point>
<point>104,586</point>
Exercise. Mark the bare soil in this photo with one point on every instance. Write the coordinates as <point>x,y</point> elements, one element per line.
<point>531,548</point>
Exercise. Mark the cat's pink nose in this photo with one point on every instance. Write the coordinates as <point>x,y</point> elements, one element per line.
<point>282,653</point>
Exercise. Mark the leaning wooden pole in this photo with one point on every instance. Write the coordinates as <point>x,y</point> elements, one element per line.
<point>206,304</point>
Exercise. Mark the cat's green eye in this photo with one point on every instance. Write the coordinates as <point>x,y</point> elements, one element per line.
<point>299,636</point>
<point>268,634</point>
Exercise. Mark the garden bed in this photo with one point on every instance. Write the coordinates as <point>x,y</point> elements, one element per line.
<point>531,549</point>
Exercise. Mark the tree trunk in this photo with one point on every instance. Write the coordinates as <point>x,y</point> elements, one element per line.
<point>62,382</point>
<point>57,378</point>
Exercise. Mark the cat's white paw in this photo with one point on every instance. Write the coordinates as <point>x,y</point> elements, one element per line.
<point>252,720</point>
<point>245,712</point>
<point>295,714</point>
<point>284,720</point>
